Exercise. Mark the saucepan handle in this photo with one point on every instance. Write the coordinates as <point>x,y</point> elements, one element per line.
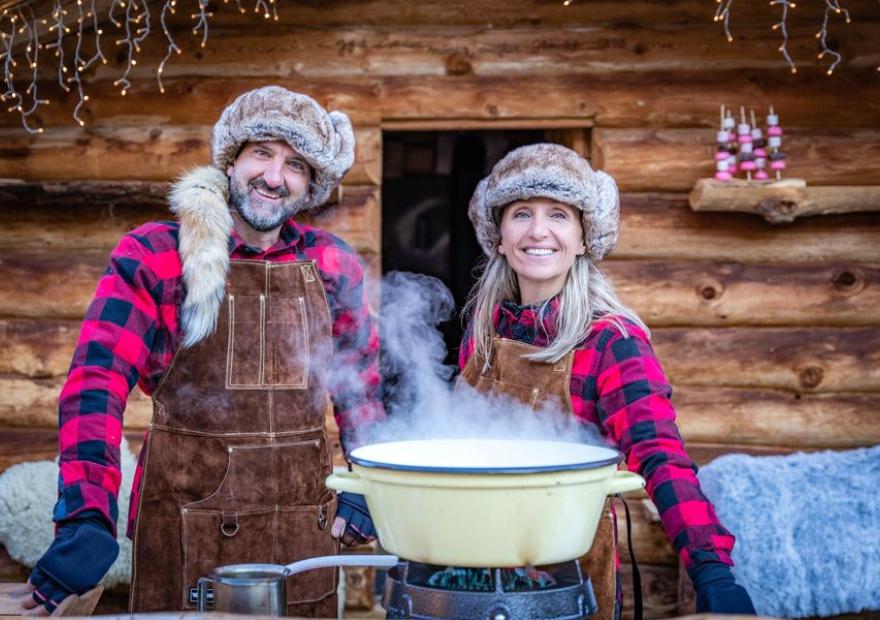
<point>205,594</point>
<point>348,481</point>
<point>623,481</point>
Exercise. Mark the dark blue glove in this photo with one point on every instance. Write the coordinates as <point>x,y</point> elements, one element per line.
<point>717,592</point>
<point>83,551</point>
<point>358,524</point>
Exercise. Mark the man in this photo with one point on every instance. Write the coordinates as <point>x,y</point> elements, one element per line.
<point>231,319</point>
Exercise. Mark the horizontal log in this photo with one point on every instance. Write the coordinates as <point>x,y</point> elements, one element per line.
<point>37,348</point>
<point>800,360</point>
<point>781,203</point>
<point>698,293</point>
<point>761,417</point>
<point>498,13</point>
<point>33,403</point>
<point>21,445</point>
<point>95,214</point>
<point>94,220</point>
<point>282,49</point>
<point>686,293</point>
<point>675,159</point>
<point>143,153</point>
<point>658,98</point>
<point>662,226</point>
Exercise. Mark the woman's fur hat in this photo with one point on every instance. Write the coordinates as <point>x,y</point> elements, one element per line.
<point>325,140</point>
<point>548,171</point>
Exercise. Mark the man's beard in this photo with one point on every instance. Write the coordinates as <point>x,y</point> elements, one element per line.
<point>263,220</point>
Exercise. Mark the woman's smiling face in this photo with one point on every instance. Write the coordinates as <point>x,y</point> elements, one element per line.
<point>541,238</point>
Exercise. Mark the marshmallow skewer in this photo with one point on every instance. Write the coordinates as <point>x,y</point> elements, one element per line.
<point>722,154</point>
<point>774,141</point>
<point>758,144</point>
<point>746,156</point>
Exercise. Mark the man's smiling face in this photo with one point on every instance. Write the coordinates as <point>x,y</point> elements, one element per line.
<point>268,183</point>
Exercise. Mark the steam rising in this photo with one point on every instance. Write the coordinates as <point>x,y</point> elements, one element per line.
<point>422,403</point>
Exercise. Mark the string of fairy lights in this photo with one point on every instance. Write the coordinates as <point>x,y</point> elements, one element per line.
<point>22,41</point>
<point>832,9</point>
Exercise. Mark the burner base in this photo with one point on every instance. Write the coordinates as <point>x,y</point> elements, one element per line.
<point>407,597</point>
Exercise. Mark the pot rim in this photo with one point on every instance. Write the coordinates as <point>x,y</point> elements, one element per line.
<point>615,458</point>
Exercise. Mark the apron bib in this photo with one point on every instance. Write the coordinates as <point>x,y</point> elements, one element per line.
<point>533,383</point>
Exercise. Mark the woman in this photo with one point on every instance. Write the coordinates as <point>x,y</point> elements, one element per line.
<point>542,312</point>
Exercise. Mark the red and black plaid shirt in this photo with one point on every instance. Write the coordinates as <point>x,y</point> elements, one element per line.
<point>131,331</point>
<point>617,384</point>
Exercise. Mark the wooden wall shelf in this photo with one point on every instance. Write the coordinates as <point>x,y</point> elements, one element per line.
<point>780,202</point>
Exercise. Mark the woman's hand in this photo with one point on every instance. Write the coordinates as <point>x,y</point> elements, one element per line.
<point>718,592</point>
<point>353,523</point>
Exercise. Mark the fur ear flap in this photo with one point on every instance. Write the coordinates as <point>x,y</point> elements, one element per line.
<point>200,200</point>
<point>604,219</point>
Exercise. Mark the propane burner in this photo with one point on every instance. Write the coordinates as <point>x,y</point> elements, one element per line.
<point>483,579</point>
<point>427,591</point>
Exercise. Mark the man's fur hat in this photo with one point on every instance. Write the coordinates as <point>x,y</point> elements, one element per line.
<point>325,140</point>
<point>548,171</point>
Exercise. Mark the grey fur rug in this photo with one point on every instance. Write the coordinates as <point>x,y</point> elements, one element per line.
<point>807,528</point>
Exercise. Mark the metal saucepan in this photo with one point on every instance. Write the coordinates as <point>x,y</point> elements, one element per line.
<point>485,502</point>
<point>260,589</point>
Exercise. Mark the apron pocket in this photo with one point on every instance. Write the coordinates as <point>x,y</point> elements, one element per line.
<point>528,395</point>
<point>214,538</point>
<point>304,532</point>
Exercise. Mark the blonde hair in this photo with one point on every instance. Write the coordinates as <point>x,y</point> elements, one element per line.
<point>586,296</point>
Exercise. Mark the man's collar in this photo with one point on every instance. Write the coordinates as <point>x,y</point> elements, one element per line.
<point>289,235</point>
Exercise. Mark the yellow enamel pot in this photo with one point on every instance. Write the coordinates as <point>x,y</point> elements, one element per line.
<point>485,502</point>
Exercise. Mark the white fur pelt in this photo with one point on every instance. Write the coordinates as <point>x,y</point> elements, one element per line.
<point>200,201</point>
<point>807,529</point>
<point>28,492</point>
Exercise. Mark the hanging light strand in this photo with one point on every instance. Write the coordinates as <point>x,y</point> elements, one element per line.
<point>32,52</point>
<point>722,14</point>
<point>831,6</point>
<point>202,24</point>
<point>131,17</point>
<point>168,7</point>
<point>782,27</point>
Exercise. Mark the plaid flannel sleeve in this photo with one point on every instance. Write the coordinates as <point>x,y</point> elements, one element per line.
<point>113,344</point>
<point>634,406</point>
<point>355,379</point>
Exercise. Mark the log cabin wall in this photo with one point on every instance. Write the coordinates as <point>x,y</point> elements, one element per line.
<point>768,332</point>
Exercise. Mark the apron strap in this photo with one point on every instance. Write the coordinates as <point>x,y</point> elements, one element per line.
<point>637,578</point>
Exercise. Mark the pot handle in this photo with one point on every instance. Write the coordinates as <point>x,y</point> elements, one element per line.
<point>348,481</point>
<point>623,481</point>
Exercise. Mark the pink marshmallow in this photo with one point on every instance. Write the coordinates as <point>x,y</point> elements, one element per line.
<point>774,131</point>
<point>722,155</point>
<point>723,176</point>
<point>759,152</point>
<point>779,164</point>
<point>760,175</point>
<point>748,166</point>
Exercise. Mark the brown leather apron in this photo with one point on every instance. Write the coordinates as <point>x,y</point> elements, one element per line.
<point>535,383</point>
<point>237,450</point>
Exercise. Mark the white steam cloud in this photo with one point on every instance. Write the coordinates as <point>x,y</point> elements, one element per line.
<point>420,401</point>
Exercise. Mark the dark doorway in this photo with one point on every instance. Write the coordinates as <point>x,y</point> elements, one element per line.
<point>428,180</point>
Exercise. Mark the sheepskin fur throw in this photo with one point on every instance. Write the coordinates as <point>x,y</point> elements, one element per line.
<point>28,492</point>
<point>548,171</point>
<point>807,529</point>
<point>325,141</point>
<point>200,201</point>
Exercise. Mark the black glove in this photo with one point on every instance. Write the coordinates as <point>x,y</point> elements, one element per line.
<point>358,524</point>
<point>83,551</point>
<point>717,591</point>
